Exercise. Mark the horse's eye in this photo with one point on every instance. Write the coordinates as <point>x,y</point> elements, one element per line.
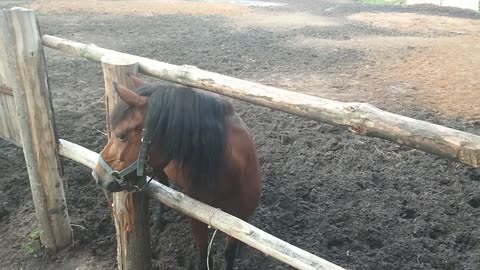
<point>122,137</point>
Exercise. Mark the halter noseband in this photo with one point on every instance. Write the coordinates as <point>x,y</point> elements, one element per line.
<point>138,165</point>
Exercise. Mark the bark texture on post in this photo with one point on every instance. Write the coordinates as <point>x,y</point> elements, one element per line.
<point>28,78</point>
<point>130,210</point>
<point>360,118</point>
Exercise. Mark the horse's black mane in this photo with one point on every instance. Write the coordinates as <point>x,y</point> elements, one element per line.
<point>188,127</point>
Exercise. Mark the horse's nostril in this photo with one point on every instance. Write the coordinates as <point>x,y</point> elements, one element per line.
<point>116,175</point>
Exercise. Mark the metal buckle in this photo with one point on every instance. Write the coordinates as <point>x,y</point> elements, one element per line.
<point>118,177</point>
<point>145,136</point>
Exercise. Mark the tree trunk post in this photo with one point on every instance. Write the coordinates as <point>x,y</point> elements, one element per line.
<point>27,75</point>
<point>130,210</point>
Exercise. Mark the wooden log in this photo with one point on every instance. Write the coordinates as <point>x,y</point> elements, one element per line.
<point>29,80</point>
<point>360,118</point>
<point>225,222</point>
<point>130,210</point>
<point>9,129</point>
<point>78,153</point>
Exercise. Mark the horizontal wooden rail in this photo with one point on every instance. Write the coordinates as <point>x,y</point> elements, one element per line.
<point>361,118</point>
<point>218,219</point>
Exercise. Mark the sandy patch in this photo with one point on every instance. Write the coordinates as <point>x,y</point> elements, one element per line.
<point>438,73</point>
<point>445,75</point>
<point>240,14</point>
<point>368,43</point>
<point>280,20</point>
<point>141,8</point>
<point>408,22</point>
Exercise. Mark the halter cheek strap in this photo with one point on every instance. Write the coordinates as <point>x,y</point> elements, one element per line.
<point>142,155</point>
<point>138,165</point>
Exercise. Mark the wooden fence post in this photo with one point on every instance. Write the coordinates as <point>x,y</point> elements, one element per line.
<point>28,78</point>
<point>130,209</point>
<point>9,129</point>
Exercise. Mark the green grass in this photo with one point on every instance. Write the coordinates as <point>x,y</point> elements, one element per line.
<point>383,2</point>
<point>32,243</point>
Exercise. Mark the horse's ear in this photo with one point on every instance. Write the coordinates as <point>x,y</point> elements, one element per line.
<point>128,96</point>
<point>136,80</point>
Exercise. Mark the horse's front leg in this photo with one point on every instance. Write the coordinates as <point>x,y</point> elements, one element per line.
<point>200,235</point>
<point>231,250</point>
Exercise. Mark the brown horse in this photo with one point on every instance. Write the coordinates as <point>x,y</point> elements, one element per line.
<point>192,137</point>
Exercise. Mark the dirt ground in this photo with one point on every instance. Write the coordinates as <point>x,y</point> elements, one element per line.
<point>359,202</point>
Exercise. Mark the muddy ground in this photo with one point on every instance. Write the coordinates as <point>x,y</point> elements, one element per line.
<point>359,202</point>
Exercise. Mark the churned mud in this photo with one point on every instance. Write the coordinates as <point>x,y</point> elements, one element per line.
<point>359,202</point>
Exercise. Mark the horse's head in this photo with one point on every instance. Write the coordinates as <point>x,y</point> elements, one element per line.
<point>118,161</point>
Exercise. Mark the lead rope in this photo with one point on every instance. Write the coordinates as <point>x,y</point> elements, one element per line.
<point>213,236</point>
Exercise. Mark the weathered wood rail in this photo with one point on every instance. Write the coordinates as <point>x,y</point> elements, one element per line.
<point>360,118</point>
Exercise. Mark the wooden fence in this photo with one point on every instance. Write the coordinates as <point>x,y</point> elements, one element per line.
<point>23,74</point>
<point>27,81</point>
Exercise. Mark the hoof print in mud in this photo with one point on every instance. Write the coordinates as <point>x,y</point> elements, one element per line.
<point>473,174</point>
<point>408,213</point>
<point>372,238</point>
<point>3,212</point>
<point>475,201</point>
<point>338,241</point>
<point>437,231</point>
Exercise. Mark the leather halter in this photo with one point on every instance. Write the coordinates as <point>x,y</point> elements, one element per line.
<point>139,165</point>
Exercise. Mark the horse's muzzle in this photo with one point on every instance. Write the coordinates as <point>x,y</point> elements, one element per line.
<point>106,181</point>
